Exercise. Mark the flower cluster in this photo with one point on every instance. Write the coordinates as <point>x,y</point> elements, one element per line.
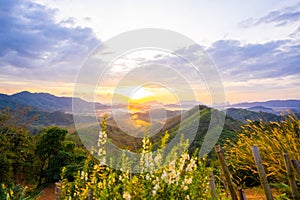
<point>102,139</point>
<point>185,177</point>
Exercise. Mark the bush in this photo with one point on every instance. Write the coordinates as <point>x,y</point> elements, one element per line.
<point>17,192</point>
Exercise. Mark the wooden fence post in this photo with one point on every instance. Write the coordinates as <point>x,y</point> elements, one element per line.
<point>291,177</point>
<point>57,190</point>
<point>296,166</point>
<point>226,172</point>
<point>242,195</point>
<point>90,194</point>
<point>212,185</point>
<point>223,181</point>
<point>262,173</point>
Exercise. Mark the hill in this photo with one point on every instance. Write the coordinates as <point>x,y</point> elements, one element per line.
<point>44,102</point>
<point>243,115</point>
<point>196,119</point>
<point>199,119</point>
<point>261,109</point>
<point>43,109</point>
<point>7,102</point>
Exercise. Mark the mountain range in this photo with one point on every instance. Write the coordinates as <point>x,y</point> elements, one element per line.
<point>53,110</point>
<point>50,110</point>
<point>272,106</point>
<point>44,102</point>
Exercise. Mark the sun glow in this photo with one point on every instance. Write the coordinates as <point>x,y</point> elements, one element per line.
<point>141,93</point>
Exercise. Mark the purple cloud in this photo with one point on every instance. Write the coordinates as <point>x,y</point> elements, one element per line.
<point>278,17</point>
<point>34,44</point>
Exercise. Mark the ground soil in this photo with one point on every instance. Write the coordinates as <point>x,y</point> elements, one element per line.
<point>48,193</point>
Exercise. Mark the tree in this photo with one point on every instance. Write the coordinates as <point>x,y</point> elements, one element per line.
<point>15,146</point>
<point>49,145</point>
<point>55,152</point>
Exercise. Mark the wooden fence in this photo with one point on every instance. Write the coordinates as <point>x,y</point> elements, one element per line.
<point>263,178</point>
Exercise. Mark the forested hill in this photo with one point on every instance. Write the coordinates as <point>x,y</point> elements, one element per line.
<point>243,115</point>
<point>42,109</point>
<point>43,102</point>
<point>200,118</point>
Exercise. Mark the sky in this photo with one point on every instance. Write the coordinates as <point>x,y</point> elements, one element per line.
<point>254,44</point>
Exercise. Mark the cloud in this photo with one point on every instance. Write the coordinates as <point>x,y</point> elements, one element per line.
<point>36,46</point>
<point>267,64</point>
<point>296,33</point>
<point>244,67</point>
<point>278,17</point>
<point>242,62</point>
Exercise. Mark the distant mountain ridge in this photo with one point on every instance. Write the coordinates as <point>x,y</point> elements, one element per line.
<point>243,115</point>
<point>270,103</point>
<point>272,106</point>
<point>261,109</point>
<point>44,102</point>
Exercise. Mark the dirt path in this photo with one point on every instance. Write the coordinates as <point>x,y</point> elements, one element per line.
<point>48,193</point>
<point>254,194</point>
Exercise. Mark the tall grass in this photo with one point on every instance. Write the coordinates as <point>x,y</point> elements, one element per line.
<point>273,139</point>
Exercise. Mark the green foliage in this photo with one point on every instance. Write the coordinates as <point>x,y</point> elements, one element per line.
<point>15,147</point>
<point>243,115</point>
<point>273,139</point>
<point>16,192</point>
<point>56,118</point>
<point>32,159</point>
<point>55,152</point>
<point>182,178</point>
<point>199,118</point>
<point>51,142</point>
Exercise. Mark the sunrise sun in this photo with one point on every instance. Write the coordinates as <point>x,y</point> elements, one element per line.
<point>141,93</point>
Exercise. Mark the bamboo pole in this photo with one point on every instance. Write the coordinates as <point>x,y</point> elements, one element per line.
<point>291,177</point>
<point>296,166</point>
<point>226,172</point>
<point>262,173</point>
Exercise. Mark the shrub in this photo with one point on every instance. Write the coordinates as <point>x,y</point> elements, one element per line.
<point>17,192</point>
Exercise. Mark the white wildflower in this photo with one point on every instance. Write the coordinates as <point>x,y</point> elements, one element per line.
<point>157,159</point>
<point>191,165</point>
<point>156,187</point>
<point>126,196</point>
<point>189,181</point>
<point>147,177</point>
<point>154,192</point>
<point>185,187</point>
<point>164,176</point>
